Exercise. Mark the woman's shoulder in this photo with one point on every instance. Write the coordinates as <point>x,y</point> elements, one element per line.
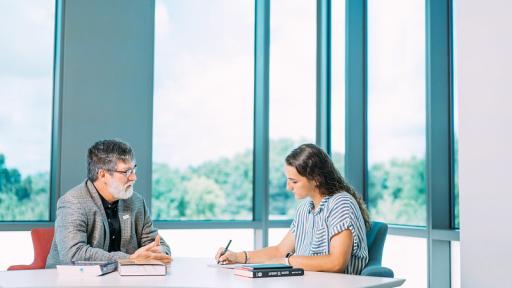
<point>342,198</point>
<point>342,201</point>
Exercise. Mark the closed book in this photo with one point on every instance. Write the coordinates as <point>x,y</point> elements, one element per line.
<point>87,268</point>
<point>265,266</point>
<point>141,267</point>
<point>262,273</point>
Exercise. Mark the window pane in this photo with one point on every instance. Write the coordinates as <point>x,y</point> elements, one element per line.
<point>292,92</point>
<point>26,80</point>
<point>275,235</point>
<point>338,84</point>
<point>396,111</point>
<point>455,263</point>
<point>191,242</point>
<point>407,257</point>
<point>23,252</point>
<point>203,110</point>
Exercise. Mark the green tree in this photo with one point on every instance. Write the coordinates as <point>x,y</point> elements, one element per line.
<point>397,191</point>
<point>22,199</point>
<point>282,203</point>
<point>222,188</point>
<point>234,176</point>
<point>205,199</point>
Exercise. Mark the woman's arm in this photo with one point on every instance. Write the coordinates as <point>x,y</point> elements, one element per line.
<point>335,261</point>
<point>272,254</point>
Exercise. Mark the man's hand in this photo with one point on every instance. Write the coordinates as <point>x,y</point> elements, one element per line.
<point>152,251</point>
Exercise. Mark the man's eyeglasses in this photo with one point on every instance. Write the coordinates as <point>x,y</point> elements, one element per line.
<point>128,172</point>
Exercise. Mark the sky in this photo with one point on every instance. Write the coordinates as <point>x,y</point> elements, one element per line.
<point>292,90</point>
<point>26,76</point>
<point>338,76</point>
<point>203,106</point>
<point>396,80</point>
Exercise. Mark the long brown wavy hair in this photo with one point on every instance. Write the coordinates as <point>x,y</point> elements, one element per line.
<point>312,162</point>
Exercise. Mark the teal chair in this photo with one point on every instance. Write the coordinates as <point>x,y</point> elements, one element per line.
<point>375,239</point>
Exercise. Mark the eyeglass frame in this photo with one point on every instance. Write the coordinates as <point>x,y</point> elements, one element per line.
<point>125,173</point>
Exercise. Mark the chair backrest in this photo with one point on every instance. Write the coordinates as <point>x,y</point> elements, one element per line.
<point>42,241</point>
<point>375,239</point>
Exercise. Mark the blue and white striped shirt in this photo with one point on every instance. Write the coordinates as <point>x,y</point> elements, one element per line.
<point>313,230</point>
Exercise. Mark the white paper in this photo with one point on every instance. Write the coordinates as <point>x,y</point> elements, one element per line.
<point>225,266</point>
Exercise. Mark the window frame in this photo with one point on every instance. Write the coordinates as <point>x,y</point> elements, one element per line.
<point>54,188</point>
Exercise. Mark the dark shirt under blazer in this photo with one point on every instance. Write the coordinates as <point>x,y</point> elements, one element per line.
<point>82,231</point>
<point>114,225</point>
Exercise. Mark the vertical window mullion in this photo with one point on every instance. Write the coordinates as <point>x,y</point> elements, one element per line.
<point>55,188</point>
<point>356,95</point>
<point>439,130</point>
<point>323,75</point>
<point>261,122</point>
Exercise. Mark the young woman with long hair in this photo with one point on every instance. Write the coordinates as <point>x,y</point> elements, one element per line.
<point>328,232</point>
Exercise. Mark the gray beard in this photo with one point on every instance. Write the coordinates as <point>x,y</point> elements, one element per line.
<point>120,193</point>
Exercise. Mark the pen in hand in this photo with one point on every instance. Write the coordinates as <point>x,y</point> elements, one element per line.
<point>225,250</point>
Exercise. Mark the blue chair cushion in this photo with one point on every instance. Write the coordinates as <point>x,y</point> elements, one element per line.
<point>377,271</point>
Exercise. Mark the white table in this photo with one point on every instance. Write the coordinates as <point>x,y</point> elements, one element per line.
<point>191,272</point>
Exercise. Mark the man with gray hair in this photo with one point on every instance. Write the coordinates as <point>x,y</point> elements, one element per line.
<point>102,219</point>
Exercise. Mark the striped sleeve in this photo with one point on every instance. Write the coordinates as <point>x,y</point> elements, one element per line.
<point>293,226</point>
<point>342,217</point>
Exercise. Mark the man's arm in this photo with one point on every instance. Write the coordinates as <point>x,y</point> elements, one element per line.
<point>149,232</point>
<point>71,235</point>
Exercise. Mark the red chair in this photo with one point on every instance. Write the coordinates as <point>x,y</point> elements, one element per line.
<point>42,240</point>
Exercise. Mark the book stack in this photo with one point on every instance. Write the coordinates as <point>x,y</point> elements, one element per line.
<point>141,267</point>
<point>268,270</point>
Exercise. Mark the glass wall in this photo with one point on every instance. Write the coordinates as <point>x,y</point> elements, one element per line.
<point>24,252</point>
<point>396,111</point>
<point>203,118</point>
<point>26,80</point>
<point>275,235</point>
<point>407,256</point>
<point>338,83</point>
<point>292,92</point>
<point>191,242</point>
<point>455,264</point>
<point>203,110</point>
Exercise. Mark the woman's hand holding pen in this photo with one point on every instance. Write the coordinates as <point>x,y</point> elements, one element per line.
<point>229,257</point>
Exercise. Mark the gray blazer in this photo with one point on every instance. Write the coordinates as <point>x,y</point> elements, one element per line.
<point>82,233</point>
